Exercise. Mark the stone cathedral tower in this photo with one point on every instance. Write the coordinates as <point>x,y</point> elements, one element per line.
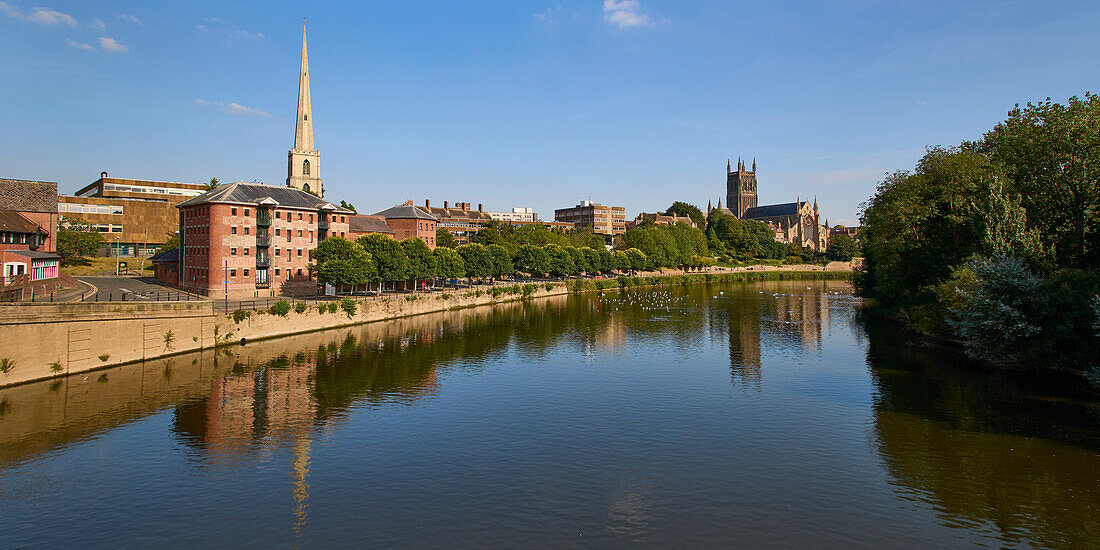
<point>304,165</point>
<point>740,188</point>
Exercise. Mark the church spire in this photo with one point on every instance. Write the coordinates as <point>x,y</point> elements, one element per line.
<point>727,166</point>
<point>753,165</point>
<point>303,130</point>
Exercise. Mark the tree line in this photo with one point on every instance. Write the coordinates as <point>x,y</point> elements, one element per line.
<point>996,242</point>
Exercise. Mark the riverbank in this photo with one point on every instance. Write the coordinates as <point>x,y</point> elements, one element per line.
<point>56,340</point>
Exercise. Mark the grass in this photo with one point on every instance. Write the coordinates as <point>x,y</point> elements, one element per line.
<point>85,267</point>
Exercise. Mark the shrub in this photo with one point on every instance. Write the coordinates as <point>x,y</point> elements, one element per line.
<point>528,290</point>
<point>56,366</point>
<point>348,305</point>
<point>322,308</point>
<point>446,296</point>
<point>6,365</point>
<point>300,307</point>
<point>332,306</point>
<point>241,315</point>
<point>169,338</point>
<point>280,308</point>
<point>410,298</point>
<point>105,357</point>
<point>550,286</point>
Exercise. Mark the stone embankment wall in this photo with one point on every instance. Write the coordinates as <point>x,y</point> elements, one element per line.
<point>40,341</point>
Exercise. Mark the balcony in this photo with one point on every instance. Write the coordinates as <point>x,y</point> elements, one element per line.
<point>263,261</point>
<point>322,223</point>
<point>263,218</point>
<point>263,241</point>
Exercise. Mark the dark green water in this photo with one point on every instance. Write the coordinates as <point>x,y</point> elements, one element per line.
<point>736,415</point>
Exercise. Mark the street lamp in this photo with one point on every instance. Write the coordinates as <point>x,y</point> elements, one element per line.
<point>118,251</point>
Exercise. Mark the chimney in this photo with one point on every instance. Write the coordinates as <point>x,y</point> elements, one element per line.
<point>427,203</point>
<point>446,204</point>
<point>465,206</point>
<point>479,209</point>
<point>103,174</point>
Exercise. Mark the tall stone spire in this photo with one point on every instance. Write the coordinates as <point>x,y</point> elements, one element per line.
<point>303,131</point>
<point>304,165</point>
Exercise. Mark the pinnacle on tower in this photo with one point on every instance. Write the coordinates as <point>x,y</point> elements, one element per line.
<point>727,166</point>
<point>753,165</point>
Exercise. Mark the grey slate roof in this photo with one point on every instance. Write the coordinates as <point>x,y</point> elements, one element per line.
<point>11,221</point>
<point>773,210</point>
<point>251,193</point>
<point>169,256</point>
<point>441,213</point>
<point>28,196</point>
<point>368,224</point>
<point>35,255</point>
<point>404,212</point>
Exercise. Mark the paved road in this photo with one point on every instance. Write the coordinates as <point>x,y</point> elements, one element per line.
<point>130,289</point>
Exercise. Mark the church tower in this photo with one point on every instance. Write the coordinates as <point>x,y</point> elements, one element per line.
<point>740,188</point>
<point>304,165</point>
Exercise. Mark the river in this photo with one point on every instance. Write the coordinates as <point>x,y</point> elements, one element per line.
<point>735,415</point>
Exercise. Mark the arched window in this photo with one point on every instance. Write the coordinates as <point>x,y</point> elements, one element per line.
<point>305,167</point>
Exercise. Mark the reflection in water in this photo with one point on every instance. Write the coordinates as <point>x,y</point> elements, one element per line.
<point>597,415</point>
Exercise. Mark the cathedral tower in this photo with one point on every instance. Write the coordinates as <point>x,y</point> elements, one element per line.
<point>304,164</point>
<point>740,188</point>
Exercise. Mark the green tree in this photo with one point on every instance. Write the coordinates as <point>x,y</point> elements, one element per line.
<point>421,260</point>
<point>448,263</point>
<point>842,248</point>
<point>444,238</point>
<point>580,260</point>
<point>389,258</point>
<point>1050,156</point>
<point>478,261</point>
<point>491,232</point>
<point>558,260</point>
<point>170,243</point>
<point>636,259</point>
<point>348,206</point>
<point>532,260</point>
<point>619,261</point>
<point>688,210</point>
<point>76,240</point>
<point>340,262</point>
<point>212,184</point>
<point>501,260</point>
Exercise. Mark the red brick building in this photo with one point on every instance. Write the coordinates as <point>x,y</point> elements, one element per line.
<point>407,221</point>
<point>253,240</point>
<point>360,225</point>
<point>28,239</point>
<point>460,220</point>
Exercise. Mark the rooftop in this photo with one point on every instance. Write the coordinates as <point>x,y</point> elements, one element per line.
<point>368,224</point>
<point>28,195</point>
<point>13,222</point>
<point>404,212</point>
<point>773,210</point>
<point>252,193</point>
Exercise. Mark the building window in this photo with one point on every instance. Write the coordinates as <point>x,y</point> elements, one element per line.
<point>233,230</point>
<point>246,251</point>
<point>277,232</point>
<point>299,252</point>
<point>311,236</point>
<point>246,212</point>
<point>246,230</point>
<point>246,273</point>
<point>233,211</point>
<point>299,233</point>
<point>305,167</point>
<point>299,216</point>
<point>311,218</point>
<point>278,215</point>
<point>232,251</point>
<point>276,271</point>
<point>299,272</point>
<point>233,273</point>
<point>288,235</point>
<point>277,251</point>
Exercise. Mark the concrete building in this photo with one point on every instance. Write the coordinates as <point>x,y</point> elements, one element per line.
<point>516,215</point>
<point>408,221</point>
<point>253,240</point>
<point>462,221</point>
<point>659,219</point>
<point>303,160</point>
<point>134,216</point>
<point>603,220</point>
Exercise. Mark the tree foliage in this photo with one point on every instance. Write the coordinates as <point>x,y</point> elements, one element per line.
<point>389,257</point>
<point>444,238</point>
<point>77,239</point>
<point>340,262</point>
<point>680,208</point>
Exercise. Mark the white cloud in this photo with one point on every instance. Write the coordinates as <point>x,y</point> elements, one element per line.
<point>232,108</point>
<point>98,25</point>
<point>42,16</point>
<point>550,15</point>
<point>112,45</point>
<point>131,18</point>
<point>624,14</point>
<point>247,35</point>
<point>80,45</point>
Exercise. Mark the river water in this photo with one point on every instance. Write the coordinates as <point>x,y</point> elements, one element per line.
<point>733,415</point>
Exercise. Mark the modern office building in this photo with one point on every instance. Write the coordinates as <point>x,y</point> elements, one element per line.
<point>603,220</point>
<point>134,216</point>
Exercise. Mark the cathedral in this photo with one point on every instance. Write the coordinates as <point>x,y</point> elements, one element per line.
<point>304,163</point>
<point>796,222</point>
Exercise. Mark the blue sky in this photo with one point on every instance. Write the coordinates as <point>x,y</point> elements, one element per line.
<point>512,103</point>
